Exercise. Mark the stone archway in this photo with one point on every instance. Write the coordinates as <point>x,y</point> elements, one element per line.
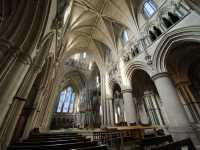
<point>182,65</point>
<point>148,102</point>
<point>176,54</point>
<point>175,60</point>
<point>168,41</point>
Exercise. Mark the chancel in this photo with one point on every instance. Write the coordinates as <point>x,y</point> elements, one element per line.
<point>99,74</point>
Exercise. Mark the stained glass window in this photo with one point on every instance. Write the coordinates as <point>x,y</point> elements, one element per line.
<point>66,101</point>
<point>71,105</point>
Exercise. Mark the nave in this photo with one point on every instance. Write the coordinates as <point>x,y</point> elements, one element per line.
<point>100,74</point>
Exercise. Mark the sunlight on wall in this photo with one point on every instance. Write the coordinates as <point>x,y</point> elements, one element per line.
<point>90,66</point>
<point>77,106</point>
<point>116,118</point>
<point>100,111</point>
<point>125,81</point>
<point>76,56</point>
<point>108,90</point>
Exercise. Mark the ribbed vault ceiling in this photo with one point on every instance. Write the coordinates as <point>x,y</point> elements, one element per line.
<point>96,24</point>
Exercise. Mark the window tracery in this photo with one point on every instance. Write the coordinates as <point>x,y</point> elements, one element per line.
<point>66,101</point>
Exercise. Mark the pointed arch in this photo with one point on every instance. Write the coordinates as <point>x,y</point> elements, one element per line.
<point>138,65</point>
<point>169,40</point>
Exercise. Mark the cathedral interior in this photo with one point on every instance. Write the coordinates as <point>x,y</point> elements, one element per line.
<point>99,74</point>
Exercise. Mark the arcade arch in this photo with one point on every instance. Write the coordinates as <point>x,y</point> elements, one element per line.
<point>148,102</point>
<point>184,72</point>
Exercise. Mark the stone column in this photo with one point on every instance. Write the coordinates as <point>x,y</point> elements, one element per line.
<point>110,115</point>
<point>52,105</point>
<point>10,122</point>
<point>39,62</point>
<point>176,118</point>
<point>103,102</point>
<point>129,106</point>
<point>110,102</point>
<point>17,105</point>
<point>188,100</point>
<point>107,112</point>
<point>31,122</point>
<point>153,105</point>
<point>176,115</point>
<point>10,85</point>
<point>16,59</point>
<point>189,103</point>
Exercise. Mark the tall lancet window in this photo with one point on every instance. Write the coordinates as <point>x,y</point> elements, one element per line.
<point>125,36</point>
<point>150,8</point>
<point>66,101</point>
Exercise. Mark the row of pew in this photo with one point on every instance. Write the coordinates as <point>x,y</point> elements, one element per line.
<point>74,141</point>
<point>57,141</point>
<point>164,143</point>
<point>153,141</point>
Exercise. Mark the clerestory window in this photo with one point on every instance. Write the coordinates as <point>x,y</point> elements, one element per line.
<point>149,8</point>
<point>125,36</point>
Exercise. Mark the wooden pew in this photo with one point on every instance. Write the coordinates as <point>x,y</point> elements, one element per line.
<point>55,133</point>
<point>54,138</point>
<point>179,145</point>
<point>149,142</point>
<point>51,142</point>
<point>57,136</point>
<point>99,147</point>
<point>61,141</point>
<point>107,136</point>
<point>65,146</point>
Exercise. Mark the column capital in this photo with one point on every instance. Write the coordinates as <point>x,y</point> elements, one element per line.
<point>127,91</point>
<point>160,75</point>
